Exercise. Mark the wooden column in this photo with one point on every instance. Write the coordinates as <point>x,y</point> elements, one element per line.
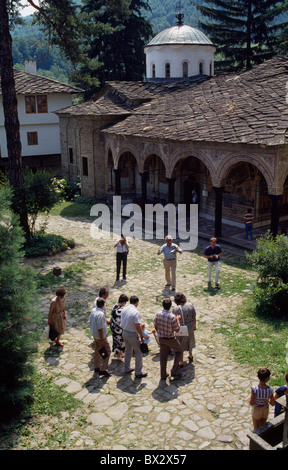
<point>274,213</point>
<point>171,189</point>
<point>218,210</point>
<point>117,182</point>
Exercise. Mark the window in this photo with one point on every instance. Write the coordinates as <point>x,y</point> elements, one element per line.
<point>32,138</point>
<point>153,71</point>
<point>70,155</point>
<point>167,70</point>
<point>185,69</point>
<point>42,104</point>
<point>85,166</point>
<point>30,103</point>
<point>201,68</point>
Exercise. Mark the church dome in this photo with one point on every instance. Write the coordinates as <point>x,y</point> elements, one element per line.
<point>180,34</point>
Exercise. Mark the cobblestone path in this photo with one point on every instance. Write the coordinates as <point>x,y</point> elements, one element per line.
<point>206,409</point>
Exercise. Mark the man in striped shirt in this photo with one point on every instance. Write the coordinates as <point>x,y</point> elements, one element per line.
<point>166,323</point>
<point>248,221</point>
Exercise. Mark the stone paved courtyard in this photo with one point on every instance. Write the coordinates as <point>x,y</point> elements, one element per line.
<point>206,409</point>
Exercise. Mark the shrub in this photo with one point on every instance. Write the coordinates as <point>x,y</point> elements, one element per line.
<point>67,191</point>
<point>270,260</point>
<point>17,295</point>
<point>39,195</point>
<point>47,244</point>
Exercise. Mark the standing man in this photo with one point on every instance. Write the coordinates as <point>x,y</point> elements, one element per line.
<point>212,253</point>
<point>166,324</point>
<point>130,323</point>
<point>103,294</point>
<point>248,221</point>
<point>122,250</point>
<point>98,329</point>
<point>169,250</point>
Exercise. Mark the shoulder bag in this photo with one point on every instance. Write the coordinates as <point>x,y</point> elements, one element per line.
<point>183,328</point>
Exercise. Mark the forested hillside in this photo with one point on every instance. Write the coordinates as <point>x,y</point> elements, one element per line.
<point>28,40</point>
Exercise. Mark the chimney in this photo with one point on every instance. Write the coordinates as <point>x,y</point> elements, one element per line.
<point>30,66</point>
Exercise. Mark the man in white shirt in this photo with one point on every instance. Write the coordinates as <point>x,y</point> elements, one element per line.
<point>130,323</point>
<point>169,250</point>
<point>122,250</point>
<point>98,329</point>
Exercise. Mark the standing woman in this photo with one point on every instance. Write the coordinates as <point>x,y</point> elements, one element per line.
<point>187,312</point>
<point>118,346</point>
<point>57,316</point>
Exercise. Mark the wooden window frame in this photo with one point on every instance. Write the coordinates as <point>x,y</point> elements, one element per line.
<point>32,138</point>
<point>30,104</point>
<point>42,104</point>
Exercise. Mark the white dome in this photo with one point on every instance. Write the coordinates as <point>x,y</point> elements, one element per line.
<point>180,34</point>
<point>179,52</point>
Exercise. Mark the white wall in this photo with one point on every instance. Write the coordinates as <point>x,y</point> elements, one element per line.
<point>176,55</point>
<point>45,124</point>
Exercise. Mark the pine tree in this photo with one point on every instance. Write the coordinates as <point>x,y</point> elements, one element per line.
<point>17,291</point>
<point>246,32</point>
<point>115,33</point>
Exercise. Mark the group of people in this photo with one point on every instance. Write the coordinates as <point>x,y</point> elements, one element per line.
<point>262,395</point>
<point>128,333</point>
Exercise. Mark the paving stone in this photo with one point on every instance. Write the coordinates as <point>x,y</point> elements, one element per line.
<point>207,408</point>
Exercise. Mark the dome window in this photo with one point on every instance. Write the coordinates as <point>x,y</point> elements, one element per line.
<point>167,70</point>
<point>200,68</point>
<point>185,69</point>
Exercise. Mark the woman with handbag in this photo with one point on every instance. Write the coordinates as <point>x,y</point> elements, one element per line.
<point>187,313</point>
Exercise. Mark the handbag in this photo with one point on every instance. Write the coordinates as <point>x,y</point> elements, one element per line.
<point>144,348</point>
<point>103,353</point>
<point>183,331</point>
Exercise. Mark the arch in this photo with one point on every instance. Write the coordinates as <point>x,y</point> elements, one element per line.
<point>129,173</point>
<point>192,177</point>
<point>156,181</point>
<point>191,152</point>
<point>255,160</point>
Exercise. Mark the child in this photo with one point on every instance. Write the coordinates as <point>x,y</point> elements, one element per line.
<point>261,396</point>
<point>279,393</point>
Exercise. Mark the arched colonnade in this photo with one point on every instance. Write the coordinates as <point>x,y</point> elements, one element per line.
<point>226,181</point>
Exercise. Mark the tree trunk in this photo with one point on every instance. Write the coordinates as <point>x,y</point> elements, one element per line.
<point>11,122</point>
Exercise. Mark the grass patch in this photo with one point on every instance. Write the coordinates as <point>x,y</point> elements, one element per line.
<point>51,399</point>
<point>72,208</point>
<point>258,342</point>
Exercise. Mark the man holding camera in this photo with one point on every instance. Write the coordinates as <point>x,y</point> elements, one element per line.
<point>212,253</point>
<point>122,250</point>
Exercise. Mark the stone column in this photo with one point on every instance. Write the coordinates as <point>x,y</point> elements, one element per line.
<point>171,189</point>
<point>218,210</point>
<point>275,213</point>
<point>117,181</point>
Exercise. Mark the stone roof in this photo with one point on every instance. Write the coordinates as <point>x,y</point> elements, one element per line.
<point>123,97</point>
<point>180,34</point>
<point>249,107</point>
<point>30,84</point>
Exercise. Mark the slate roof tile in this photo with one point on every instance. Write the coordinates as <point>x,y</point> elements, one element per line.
<point>29,83</point>
<point>246,107</point>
